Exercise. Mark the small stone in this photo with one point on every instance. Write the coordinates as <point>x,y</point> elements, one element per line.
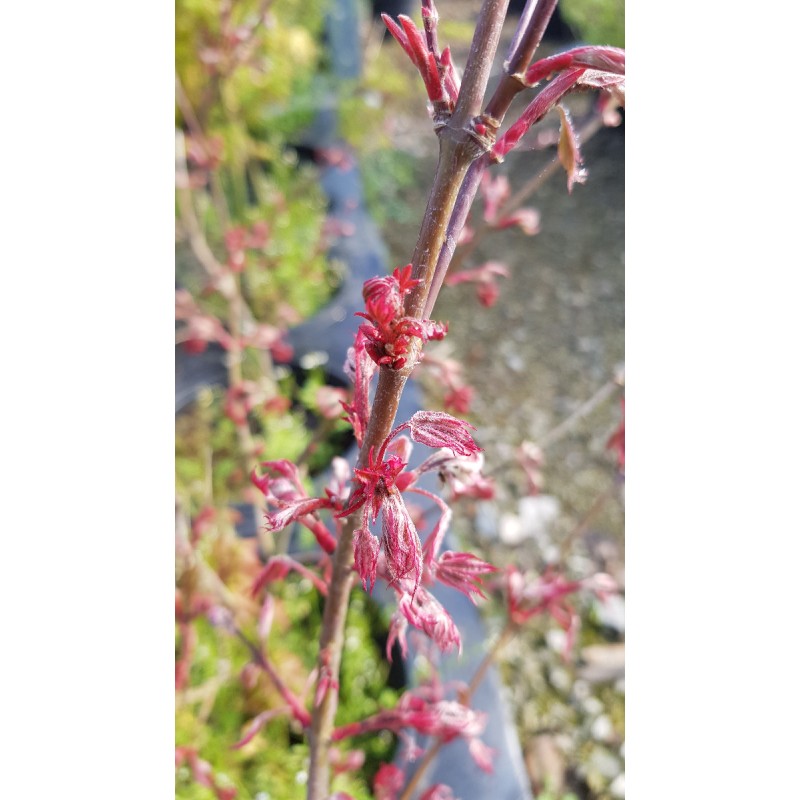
<point>537,515</point>
<point>510,529</point>
<point>556,639</point>
<point>560,679</point>
<point>592,706</point>
<point>605,763</point>
<point>602,663</point>
<point>602,729</point>
<point>515,362</point>
<point>611,613</point>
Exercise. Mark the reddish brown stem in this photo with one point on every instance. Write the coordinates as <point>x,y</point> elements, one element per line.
<point>258,658</point>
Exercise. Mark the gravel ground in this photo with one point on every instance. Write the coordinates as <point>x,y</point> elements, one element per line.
<point>555,337</point>
<point>552,343</point>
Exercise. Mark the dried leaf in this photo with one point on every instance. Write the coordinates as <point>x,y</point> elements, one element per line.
<point>569,153</point>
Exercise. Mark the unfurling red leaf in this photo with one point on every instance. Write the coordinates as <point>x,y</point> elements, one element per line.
<point>537,108</point>
<point>605,60</point>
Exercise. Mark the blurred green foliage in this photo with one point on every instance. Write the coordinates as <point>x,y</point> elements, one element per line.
<point>218,705</point>
<point>271,89</point>
<point>246,88</point>
<point>596,21</point>
<point>246,85</point>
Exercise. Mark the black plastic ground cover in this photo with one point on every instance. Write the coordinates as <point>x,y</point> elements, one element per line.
<point>324,340</point>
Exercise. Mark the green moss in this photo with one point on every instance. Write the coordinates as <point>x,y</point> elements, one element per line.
<point>275,761</point>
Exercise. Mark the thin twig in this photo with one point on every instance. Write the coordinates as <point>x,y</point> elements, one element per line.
<point>590,515</point>
<point>606,391</point>
<point>505,636</point>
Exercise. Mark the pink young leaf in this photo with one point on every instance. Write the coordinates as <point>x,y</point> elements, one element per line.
<point>284,468</point>
<point>359,368</point>
<point>400,447</point>
<point>427,715</point>
<point>388,782</point>
<point>459,399</point>
<point>400,539</point>
<point>481,754</point>
<point>346,762</point>
<point>463,474</point>
<point>201,772</point>
<point>277,520</point>
<point>264,336</point>
<point>486,275</point>
<point>425,612</point>
<point>487,294</point>
<point>338,488</point>
<point>387,334</point>
<point>601,584</point>
<point>463,571</point>
<point>366,548</point>
<point>527,219</point>
<point>569,153</point>
<point>439,429</point>
<point>494,191</point>
<point>605,81</point>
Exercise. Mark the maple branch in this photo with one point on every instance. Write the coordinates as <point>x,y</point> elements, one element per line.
<point>458,148</point>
